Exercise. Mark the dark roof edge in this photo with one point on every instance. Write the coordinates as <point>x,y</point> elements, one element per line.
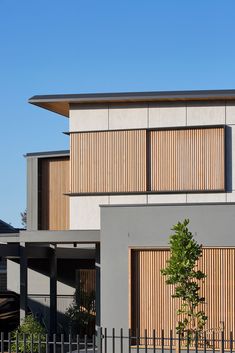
<point>161,95</point>
<point>48,153</point>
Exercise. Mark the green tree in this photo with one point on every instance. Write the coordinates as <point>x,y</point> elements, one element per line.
<point>182,273</point>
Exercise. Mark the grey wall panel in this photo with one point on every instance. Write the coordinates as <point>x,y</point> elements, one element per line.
<point>123,227</point>
<point>32,193</point>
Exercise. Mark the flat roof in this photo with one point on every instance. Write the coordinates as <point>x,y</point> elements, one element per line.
<point>59,103</point>
<point>48,154</point>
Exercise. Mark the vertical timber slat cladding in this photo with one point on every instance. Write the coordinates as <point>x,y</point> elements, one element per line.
<point>152,306</point>
<point>187,159</point>
<point>53,183</point>
<point>181,160</point>
<point>87,287</point>
<point>108,161</point>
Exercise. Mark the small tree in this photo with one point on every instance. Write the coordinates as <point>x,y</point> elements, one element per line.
<point>182,273</point>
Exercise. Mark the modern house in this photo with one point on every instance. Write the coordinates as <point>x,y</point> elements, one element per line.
<point>138,163</point>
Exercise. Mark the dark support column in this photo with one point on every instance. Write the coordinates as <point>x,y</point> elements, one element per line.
<point>97,297</point>
<point>23,281</point>
<point>53,291</point>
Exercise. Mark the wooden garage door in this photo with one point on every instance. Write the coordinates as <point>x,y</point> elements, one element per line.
<point>152,306</point>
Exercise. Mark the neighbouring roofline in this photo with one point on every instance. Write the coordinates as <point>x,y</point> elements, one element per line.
<point>6,228</point>
<point>59,103</point>
<point>48,154</point>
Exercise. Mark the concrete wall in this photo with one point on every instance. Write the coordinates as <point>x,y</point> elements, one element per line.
<point>32,193</point>
<point>124,227</point>
<point>84,212</point>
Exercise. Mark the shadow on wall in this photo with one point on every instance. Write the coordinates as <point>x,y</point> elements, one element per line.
<point>66,268</point>
<point>40,306</point>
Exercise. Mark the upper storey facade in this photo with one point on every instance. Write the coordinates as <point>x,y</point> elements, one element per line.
<point>144,148</point>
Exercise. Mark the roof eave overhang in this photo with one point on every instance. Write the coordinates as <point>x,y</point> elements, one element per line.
<point>60,104</point>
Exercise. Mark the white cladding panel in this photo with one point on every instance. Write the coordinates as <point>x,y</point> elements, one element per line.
<point>85,211</point>
<point>123,116</point>
<point>230,113</point>
<point>167,198</point>
<point>210,197</point>
<point>128,199</point>
<point>88,118</point>
<point>164,115</point>
<point>205,113</point>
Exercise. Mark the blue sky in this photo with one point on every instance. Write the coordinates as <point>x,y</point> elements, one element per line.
<point>74,46</point>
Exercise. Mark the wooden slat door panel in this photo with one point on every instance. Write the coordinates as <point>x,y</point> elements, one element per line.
<point>53,183</point>
<point>152,306</point>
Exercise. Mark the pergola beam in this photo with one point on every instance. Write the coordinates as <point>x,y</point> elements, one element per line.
<point>9,250</point>
<point>61,236</point>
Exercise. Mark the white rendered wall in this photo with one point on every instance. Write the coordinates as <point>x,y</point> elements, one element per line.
<point>84,211</point>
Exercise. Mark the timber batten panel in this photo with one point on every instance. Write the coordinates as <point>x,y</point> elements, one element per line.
<point>108,161</point>
<point>188,159</point>
<point>53,183</point>
<point>152,306</point>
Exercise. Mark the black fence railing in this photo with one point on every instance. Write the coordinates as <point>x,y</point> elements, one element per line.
<point>118,341</point>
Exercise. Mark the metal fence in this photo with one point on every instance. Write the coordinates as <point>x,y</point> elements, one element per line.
<point>116,341</point>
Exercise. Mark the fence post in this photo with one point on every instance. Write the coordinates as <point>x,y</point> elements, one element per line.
<point>17,342</point>
<point>129,341</point>
<point>121,340</point>
<point>99,340</point>
<point>145,341</point>
<point>9,342</point>
<point>222,342</point>
<point>231,342</point>
<point>2,342</point>
<point>113,340</point>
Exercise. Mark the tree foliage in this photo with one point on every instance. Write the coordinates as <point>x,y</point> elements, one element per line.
<point>181,271</point>
<point>23,216</point>
<point>30,327</point>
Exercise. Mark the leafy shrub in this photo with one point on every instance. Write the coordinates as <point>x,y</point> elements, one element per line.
<point>81,313</point>
<point>29,327</point>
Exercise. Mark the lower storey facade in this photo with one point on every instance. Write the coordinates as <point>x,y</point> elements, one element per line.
<point>122,265</point>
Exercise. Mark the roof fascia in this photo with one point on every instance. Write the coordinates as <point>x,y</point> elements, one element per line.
<point>60,103</point>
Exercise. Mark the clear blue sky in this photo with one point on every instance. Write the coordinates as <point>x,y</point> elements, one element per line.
<point>79,46</point>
